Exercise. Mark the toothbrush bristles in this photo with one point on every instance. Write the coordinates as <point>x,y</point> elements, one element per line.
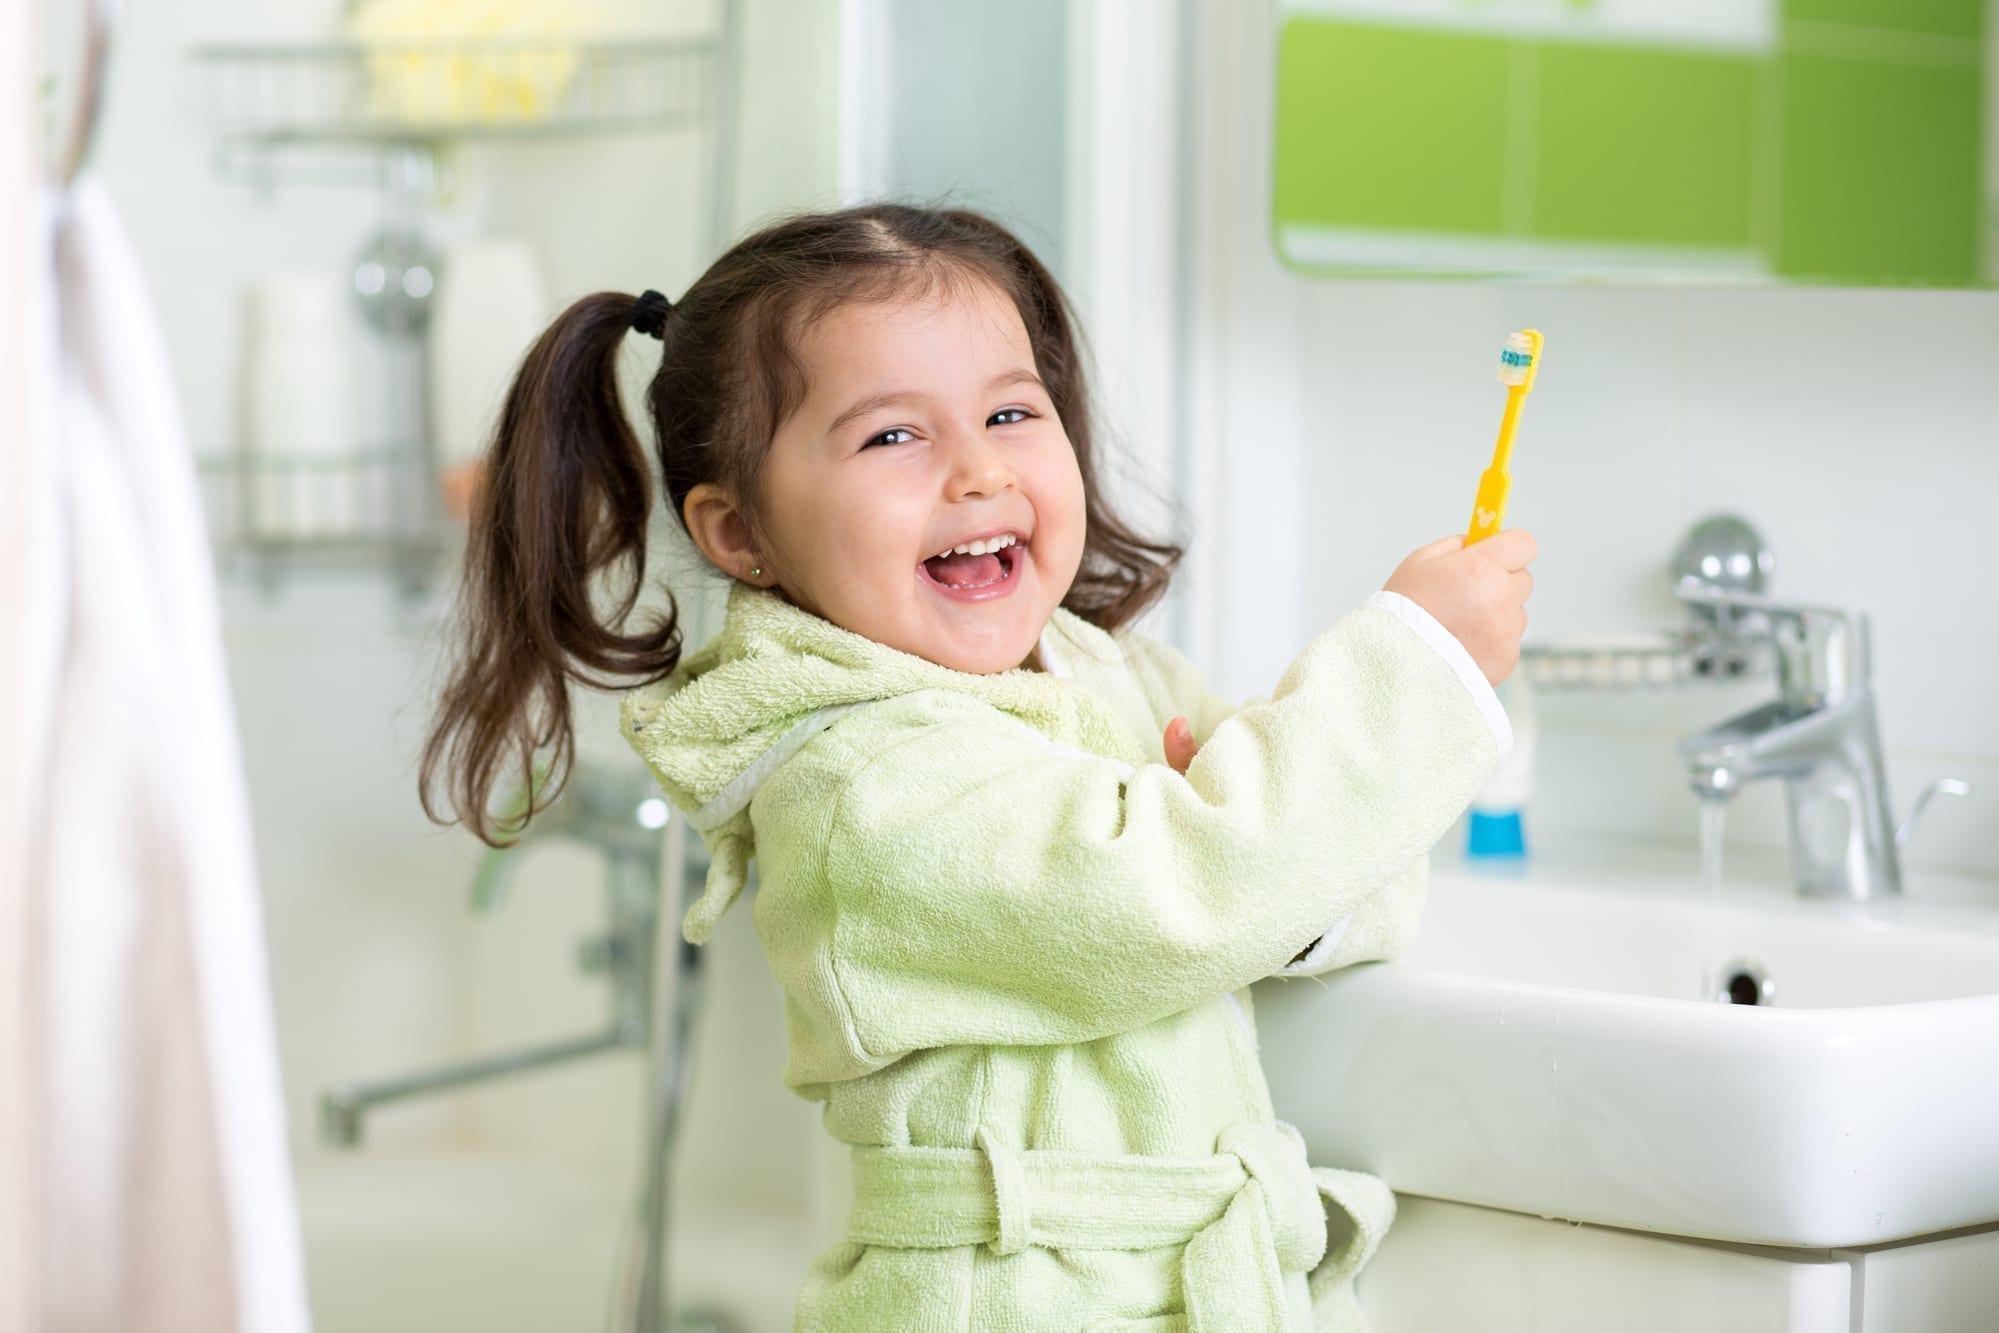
<point>1516,359</point>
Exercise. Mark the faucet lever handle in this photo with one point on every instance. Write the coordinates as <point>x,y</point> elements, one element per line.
<point>1699,592</point>
<point>1822,651</point>
<point>1941,787</point>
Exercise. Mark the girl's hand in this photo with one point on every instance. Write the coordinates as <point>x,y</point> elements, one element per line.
<point>1180,747</point>
<point>1479,593</point>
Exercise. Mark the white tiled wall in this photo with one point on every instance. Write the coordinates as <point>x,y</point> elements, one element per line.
<point>1339,425</point>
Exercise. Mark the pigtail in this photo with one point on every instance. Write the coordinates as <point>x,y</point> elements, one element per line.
<point>565,501</point>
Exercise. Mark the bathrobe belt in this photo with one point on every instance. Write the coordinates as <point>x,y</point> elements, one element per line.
<point>1247,1215</point>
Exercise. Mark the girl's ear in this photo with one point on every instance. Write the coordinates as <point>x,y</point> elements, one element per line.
<point>719,530</point>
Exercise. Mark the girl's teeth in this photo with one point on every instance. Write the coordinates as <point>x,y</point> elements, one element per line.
<point>986,547</point>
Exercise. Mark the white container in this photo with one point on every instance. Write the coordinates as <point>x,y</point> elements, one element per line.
<point>490,307</point>
<point>298,406</point>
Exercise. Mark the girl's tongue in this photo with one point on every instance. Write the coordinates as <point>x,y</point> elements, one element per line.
<point>966,571</point>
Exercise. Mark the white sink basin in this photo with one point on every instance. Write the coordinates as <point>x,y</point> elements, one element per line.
<point>1544,1049</point>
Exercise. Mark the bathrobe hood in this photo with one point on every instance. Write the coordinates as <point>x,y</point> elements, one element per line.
<point>776,676</point>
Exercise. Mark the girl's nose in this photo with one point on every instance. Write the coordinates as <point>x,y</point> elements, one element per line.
<point>977,468</point>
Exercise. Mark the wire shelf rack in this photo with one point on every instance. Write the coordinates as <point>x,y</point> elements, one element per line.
<point>374,505</point>
<point>404,92</point>
<point>1658,661</point>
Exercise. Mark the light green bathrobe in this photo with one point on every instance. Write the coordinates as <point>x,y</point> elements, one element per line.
<point>1014,946</point>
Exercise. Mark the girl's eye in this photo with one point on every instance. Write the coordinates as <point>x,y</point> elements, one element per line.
<point>883,438</point>
<point>1016,415</point>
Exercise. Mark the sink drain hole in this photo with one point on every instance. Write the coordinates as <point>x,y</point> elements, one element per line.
<point>1745,982</point>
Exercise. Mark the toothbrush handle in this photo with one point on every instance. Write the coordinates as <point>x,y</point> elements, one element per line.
<point>1490,507</point>
<point>1493,484</point>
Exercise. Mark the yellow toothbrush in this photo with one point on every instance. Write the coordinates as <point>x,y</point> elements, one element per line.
<point>1518,361</point>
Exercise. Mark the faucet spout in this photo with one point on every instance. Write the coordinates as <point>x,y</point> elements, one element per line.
<point>1829,758</point>
<point>1713,780</point>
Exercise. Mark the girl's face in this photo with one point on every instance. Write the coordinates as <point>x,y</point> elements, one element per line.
<point>925,428</point>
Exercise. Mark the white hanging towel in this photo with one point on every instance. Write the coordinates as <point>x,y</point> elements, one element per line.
<point>167,1197</point>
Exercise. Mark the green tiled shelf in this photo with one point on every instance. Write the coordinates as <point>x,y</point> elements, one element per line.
<point>1849,152</point>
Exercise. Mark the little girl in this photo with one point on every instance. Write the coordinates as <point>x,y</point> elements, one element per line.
<point>1017,865</point>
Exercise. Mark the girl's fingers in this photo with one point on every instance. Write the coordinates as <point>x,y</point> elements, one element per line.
<point>1180,747</point>
<point>1441,546</point>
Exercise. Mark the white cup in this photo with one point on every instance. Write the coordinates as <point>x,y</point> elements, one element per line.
<point>298,406</point>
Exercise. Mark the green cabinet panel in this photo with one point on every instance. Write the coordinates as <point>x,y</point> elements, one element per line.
<point>1645,147</point>
<point>1385,128</point>
<point>1880,172</point>
<point>1936,18</point>
<point>1852,152</point>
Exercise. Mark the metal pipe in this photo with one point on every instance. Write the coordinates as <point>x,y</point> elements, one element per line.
<point>646,1299</point>
<point>341,1108</point>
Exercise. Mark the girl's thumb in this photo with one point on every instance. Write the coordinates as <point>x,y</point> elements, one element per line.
<point>1180,747</point>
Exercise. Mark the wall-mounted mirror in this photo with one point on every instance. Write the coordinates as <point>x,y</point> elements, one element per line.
<point>1842,142</point>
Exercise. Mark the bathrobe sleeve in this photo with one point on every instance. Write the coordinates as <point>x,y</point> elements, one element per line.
<point>1385,923</point>
<point>1382,926</point>
<point>936,873</point>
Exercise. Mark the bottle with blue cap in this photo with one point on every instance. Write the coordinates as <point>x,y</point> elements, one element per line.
<point>1497,834</point>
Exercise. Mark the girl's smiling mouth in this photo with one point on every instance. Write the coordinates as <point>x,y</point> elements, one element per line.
<point>977,570</point>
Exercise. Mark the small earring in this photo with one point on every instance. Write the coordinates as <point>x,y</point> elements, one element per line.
<point>757,572</point>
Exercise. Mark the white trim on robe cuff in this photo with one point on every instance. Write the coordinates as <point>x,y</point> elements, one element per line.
<point>1446,644</point>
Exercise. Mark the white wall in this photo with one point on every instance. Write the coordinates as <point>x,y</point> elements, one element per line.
<point>1338,425</point>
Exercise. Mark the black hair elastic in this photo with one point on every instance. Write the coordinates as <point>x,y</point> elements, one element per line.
<point>649,313</point>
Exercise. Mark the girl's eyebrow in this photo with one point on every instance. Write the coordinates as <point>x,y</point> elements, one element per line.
<point>1005,380</point>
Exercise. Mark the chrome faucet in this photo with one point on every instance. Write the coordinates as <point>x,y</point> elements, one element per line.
<point>1820,735</point>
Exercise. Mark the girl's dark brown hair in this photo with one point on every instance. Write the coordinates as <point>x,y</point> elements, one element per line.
<point>567,492</point>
